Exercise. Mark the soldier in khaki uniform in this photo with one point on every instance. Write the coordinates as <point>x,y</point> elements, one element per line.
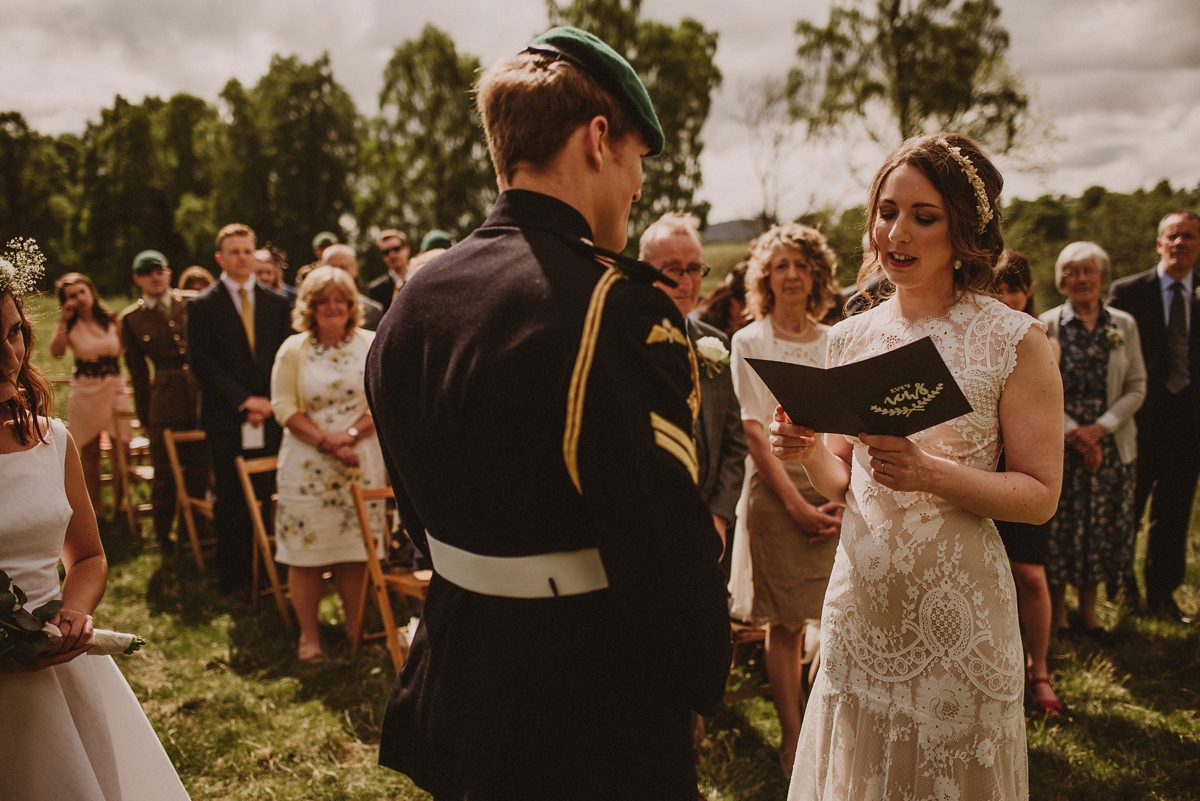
<point>154,330</point>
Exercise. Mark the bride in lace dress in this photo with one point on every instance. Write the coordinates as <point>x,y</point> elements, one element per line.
<point>920,691</point>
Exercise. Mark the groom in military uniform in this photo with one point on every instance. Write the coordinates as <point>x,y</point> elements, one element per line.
<point>154,333</point>
<point>535,402</point>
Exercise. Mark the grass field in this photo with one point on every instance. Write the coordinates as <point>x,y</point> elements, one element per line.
<point>242,719</point>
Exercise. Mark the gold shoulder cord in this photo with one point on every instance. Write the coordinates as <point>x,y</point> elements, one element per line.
<point>583,367</point>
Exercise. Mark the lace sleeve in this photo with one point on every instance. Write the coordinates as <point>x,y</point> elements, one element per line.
<point>1017,325</point>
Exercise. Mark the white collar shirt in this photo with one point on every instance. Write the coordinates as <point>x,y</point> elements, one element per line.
<point>235,291</point>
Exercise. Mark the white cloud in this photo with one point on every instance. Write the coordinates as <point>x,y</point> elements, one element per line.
<point>1119,79</point>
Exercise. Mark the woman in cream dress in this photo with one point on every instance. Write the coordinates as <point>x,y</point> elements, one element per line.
<point>920,690</point>
<point>329,442</point>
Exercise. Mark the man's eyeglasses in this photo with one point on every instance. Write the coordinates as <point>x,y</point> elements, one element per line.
<point>391,250</point>
<point>693,271</point>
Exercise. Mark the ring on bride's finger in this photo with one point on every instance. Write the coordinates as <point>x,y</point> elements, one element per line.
<point>67,620</point>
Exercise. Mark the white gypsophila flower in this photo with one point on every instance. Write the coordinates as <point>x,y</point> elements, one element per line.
<point>711,349</point>
<point>21,267</point>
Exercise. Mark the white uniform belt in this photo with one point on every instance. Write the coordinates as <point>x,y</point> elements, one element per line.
<point>546,575</point>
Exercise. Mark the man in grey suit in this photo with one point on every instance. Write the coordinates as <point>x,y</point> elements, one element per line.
<point>672,244</point>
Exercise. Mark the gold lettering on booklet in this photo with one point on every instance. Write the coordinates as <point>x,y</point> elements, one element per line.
<point>907,398</point>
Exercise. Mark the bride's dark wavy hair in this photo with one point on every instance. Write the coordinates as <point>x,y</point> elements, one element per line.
<point>31,406</point>
<point>977,250</point>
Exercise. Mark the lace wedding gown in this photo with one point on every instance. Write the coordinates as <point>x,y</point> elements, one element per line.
<point>72,732</point>
<point>919,695</point>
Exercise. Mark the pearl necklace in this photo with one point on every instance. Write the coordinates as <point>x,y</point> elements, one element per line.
<point>788,335</point>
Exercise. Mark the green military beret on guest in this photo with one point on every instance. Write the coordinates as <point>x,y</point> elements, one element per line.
<point>148,261</point>
<point>610,70</point>
<point>437,238</point>
<point>324,240</point>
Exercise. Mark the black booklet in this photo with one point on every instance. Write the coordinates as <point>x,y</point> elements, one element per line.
<point>899,392</point>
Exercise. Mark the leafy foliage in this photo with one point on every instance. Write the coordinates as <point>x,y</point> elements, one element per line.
<point>21,635</point>
<point>927,64</point>
<point>676,64</point>
<point>428,166</point>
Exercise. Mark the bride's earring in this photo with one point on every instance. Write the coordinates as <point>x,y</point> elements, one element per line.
<point>957,264</point>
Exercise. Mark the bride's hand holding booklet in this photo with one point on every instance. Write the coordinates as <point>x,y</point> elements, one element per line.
<point>897,393</point>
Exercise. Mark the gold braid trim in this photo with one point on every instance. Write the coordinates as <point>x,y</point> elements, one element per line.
<point>693,400</point>
<point>583,367</point>
<point>675,441</point>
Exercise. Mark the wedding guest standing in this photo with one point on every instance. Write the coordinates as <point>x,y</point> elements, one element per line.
<point>195,279</point>
<point>535,396</point>
<point>725,308</point>
<point>329,443</point>
<point>919,693</point>
<point>234,329</point>
<point>154,333</point>
<point>345,259</point>
<point>72,727</point>
<point>91,331</point>
<point>1025,543</point>
<point>787,530</point>
<point>393,247</point>
<point>672,244</point>
<point>1104,384</point>
<point>1164,303</point>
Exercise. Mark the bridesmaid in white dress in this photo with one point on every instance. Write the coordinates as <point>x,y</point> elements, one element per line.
<point>73,728</point>
<point>920,691</point>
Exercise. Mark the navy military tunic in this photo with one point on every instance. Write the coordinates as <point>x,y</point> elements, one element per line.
<point>530,399</point>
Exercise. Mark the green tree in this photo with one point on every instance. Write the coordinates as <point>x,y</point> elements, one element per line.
<point>288,155</point>
<point>676,63</point>
<point>427,164</point>
<point>927,64</point>
<point>37,184</point>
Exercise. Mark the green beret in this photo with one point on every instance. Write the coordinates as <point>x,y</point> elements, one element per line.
<point>610,70</point>
<point>148,261</point>
<point>437,238</point>
<point>324,240</point>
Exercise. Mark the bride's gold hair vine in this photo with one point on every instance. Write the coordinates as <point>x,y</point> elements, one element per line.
<point>981,199</point>
<point>21,265</point>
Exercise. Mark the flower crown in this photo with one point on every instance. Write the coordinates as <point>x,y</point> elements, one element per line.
<point>21,265</point>
<point>981,199</point>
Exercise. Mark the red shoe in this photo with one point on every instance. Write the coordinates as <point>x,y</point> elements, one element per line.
<point>1043,706</point>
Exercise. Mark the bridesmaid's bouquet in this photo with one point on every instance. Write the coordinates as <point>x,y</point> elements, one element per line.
<point>24,635</point>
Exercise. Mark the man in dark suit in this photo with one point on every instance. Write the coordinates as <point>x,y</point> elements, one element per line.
<point>393,246</point>
<point>153,332</point>
<point>234,328</point>
<point>672,244</point>
<point>534,396</point>
<point>1164,303</point>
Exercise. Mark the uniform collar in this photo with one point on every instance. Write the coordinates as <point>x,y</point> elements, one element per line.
<point>153,303</point>
<point>525,209</point>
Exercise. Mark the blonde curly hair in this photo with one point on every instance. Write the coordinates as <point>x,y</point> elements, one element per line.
<point>822,263</point>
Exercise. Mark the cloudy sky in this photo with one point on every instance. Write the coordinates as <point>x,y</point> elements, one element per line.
<point>1116,81</point>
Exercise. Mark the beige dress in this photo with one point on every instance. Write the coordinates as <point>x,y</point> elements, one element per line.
<point>919,695</point>
<point>94,398</point>
<point>787,574</point>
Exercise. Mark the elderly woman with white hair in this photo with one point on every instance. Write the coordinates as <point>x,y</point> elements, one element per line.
<point>1104,383</point>
<point>329,441</point>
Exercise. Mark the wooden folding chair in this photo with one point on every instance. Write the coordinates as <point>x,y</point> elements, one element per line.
<point>414,584</point>
<point>187,507</point>
<point>746,635</point>
<point>263,550</point>
<point>130,468</point>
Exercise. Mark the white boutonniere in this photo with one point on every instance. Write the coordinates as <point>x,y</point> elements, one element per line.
<point>714,354</point>
<point>1113,338</point>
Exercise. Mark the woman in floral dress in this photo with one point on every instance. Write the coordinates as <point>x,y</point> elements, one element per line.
<point>329,442</point>
<point>1104,383</point>
<point>920,690</point>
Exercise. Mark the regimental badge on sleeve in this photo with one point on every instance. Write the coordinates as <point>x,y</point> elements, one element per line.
<point>666,331</point>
